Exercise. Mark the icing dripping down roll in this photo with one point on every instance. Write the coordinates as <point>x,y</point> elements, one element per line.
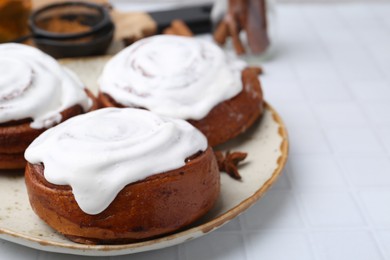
<point>173,76</point>
<point>131,145</point>
<point>33,85</point>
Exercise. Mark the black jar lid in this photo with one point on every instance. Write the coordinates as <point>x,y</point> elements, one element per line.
<point>95,16</point>
<point>93,38</point>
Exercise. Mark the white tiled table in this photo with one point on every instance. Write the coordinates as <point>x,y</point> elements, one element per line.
<point>330,81</point>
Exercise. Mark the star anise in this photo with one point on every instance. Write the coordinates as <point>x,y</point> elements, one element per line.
<point>229,162</point>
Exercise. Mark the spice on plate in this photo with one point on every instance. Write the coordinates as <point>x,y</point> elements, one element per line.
<point>229,161</point>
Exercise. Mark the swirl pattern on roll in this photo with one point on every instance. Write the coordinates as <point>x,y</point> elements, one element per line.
<point>131,145</point>
<point>33,85</point>
<point>175,76</point>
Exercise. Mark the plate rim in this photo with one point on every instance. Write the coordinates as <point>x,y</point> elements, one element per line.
<point>205,228</point>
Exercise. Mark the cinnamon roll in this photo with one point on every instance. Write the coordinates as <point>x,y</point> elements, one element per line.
<point>185,78</point>
<point>140,176</point>
<point>35,94</point>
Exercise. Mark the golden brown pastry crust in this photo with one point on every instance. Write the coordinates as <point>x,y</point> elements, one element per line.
<point>16,136</point>
<point>157,205</point>
<point>229,118</point>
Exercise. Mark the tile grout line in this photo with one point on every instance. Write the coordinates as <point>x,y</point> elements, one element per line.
<point>181,251</point>
<point>243,236</point>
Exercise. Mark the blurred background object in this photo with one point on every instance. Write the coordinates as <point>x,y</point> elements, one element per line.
<point>13,18</point>
<point>72,29</point>
<point>136,19</point>
<point>152,5</point>
<point>40,3</point>
<point>155,5</point>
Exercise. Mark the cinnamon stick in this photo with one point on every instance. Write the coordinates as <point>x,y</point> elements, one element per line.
<point>256,70</point>
<point>239,9</point>
<point>256,26</point>
<point>234,33</point>
<point>247,15</point>
<point>221,33</point>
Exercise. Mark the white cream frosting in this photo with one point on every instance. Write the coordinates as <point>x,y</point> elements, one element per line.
<point>33,85</point>
<point>175,76</point>
<point>101,152</point>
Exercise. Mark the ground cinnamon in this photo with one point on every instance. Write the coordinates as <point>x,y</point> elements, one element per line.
<point>59,25</point>
<point>221,33</point>
<point>65,26</point>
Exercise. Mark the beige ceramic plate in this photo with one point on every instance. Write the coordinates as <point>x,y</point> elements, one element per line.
<point>267,147</point>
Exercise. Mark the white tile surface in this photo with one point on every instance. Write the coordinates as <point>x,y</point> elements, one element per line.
<point>223,246</point>
<point>297,115</point>
<point>379,112</point>
<point>285,69</point>
<point>370,90</point>
<point>347,52</point>
<point>330,81</point>
<point>282,89</point>
<point>166,253</point>
<point>383,67</point>
<point>384,134</point>
<point>277,210</point>
<point>278,245</point>
<point>353,140</point>
<point>384,238</point>
<point>282,183</point>
<point>353,69</point>
<point>377,205</point>
<point>379,51</point>
<point>233,225</point>
<point>9,250</point>
<point>50,256</point>
<point>342,245</point>
<point>342,114</point>
<point>325,90</point>
<point>308,141</point>
<point>315,172</point>
<point>331,209</point>
<point>314,70</point>
<point>367,171</point>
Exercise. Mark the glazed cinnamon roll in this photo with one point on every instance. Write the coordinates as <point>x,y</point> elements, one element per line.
<point>138,177</point>
<point>35,94</point>
<point>185,78</point>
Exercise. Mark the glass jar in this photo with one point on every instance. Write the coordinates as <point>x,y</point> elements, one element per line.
<point>249,27</point>
<point>13,19</point>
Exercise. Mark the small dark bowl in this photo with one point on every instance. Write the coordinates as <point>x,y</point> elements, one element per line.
<point>95,34</point>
